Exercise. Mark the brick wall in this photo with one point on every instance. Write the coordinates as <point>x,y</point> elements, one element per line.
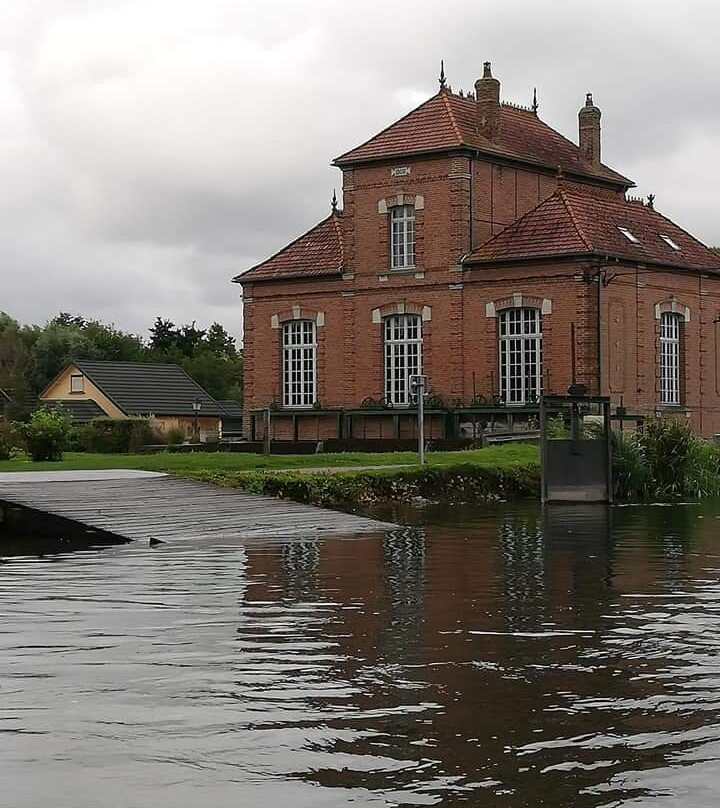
<point>460,350</point>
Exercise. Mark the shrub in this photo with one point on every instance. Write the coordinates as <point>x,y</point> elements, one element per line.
<point>665,461</point>
<point>115,435</point>
<point>8,439</point>
<point>47,433</point>
<point>174,436</point>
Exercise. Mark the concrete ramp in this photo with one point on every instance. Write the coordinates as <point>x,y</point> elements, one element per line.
<point>140,505</point>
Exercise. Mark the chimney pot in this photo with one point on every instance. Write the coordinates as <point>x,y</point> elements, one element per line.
<point>487,104</point>
<point>589,131</point>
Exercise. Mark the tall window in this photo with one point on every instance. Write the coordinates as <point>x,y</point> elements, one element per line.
<point>299,346</point>
<point>402,236</point>
<point>520,355</point>
<point>403,355</point>
<point>77,383</point>
<point>670,358</point>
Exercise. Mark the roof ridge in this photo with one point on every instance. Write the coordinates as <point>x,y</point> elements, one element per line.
<point>453,120</point>
<point>562,193</point>
<point>686,232</point>
<point>289,244</point>
<point>390,126</point>
<point>514,223</point>
<point>336,214</point>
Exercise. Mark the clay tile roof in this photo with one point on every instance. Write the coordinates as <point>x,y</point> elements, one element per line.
<point>318,252</point>
<point>574,223</point>
<point>447,121</point>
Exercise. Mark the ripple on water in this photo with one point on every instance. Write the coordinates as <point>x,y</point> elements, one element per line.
<point>499,656</point>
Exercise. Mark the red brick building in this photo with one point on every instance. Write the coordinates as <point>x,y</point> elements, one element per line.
<point>473,241</point>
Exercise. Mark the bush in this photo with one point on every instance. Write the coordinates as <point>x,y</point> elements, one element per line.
<point>174,436</point>
<point>8,439</point>
<point>115,435</point>
<point>47,434</point>
<point>665,461</point>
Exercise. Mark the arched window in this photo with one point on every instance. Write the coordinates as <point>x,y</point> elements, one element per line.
<point>298,363</point>
<point>402,236</point>
<point>520,336</point>
<point>403,355</point>
<point>670,357</point>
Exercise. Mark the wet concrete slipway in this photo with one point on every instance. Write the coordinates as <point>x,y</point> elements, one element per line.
<point>489,656</point>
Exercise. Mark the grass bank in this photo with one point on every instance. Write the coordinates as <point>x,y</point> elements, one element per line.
<point>453,483</point>
<point>500,457</point>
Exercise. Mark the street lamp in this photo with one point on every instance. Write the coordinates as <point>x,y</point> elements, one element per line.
<point>418,391</point>
<point>196,405</point>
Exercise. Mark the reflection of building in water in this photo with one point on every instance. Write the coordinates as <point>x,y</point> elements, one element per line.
<point>404,568</point>
<point>300,560</point>
<point>520,544</point>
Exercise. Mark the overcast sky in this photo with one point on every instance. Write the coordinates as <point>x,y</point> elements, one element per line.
<point>151,149</point>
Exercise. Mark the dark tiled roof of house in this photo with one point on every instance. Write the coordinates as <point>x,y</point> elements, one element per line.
<point>447,121</point>
<point>140,388</point>
<point>318,252</point>
<point>573,223</point>
<point>231,409</point>
<point>81,410</point>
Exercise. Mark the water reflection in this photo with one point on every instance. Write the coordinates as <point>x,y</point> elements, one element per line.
<point>502,656</point>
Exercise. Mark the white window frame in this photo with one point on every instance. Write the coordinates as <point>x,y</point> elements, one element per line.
<point>74,378</point>
<point>299,364</point>
<point>672,244</point>
<point>670,367</point>
<point>520,352</point>
<point>402,237</point>
<point>403,342</point>
<point>629,235</point>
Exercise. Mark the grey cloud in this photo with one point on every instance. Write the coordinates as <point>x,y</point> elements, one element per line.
<point>152,149</point>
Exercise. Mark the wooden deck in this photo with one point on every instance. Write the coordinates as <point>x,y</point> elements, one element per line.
<point>143,505</point>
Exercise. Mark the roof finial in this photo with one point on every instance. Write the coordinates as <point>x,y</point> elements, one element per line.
<point>333,202</point>
<point>535,104</point>
<point>651,201</point>
<point>560,174</point>
<point>589,100</point>
<point>442,75</point>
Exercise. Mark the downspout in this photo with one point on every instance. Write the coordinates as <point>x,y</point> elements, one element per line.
<point>472,236</point>
<point>600,276</point>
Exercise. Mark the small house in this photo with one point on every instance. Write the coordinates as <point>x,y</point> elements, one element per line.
<point>165,394</point>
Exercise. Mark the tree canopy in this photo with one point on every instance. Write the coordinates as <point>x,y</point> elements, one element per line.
<point>31,356</point>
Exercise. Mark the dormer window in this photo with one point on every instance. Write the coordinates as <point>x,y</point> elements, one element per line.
<point>669,242</point>
<point>629,235</point>
<point>77,383</point>
<point>402,236</point>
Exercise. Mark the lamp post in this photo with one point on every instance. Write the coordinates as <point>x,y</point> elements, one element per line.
<point>419,389</point>
<point>196,405</point>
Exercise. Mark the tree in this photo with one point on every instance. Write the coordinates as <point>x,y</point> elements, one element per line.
<point>219,342</point>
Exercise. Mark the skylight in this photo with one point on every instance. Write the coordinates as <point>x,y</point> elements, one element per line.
<point>669,242</point>
<point>629,235</point>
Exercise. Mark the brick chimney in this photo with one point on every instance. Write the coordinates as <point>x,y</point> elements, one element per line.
<point>589,125</point>
<point>487,104</point>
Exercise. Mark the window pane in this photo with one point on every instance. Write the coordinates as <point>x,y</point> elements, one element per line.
<point>402,236</point>
<point>520,351</point>
<point>298,372</point>
<point>670,358</point>
<point>403,355</point>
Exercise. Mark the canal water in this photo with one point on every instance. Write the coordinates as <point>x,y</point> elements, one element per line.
<point>490,656</point>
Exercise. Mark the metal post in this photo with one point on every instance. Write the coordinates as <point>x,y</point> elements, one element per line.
<point>421,424</point>
<point>266,447</point>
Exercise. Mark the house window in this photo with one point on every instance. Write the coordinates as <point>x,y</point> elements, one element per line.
<point>629,235</point>
<point>403,355</point>
<point>299,349</point>
<point>670,358</point>
<point>672,244</point>
<point>77,383</point>
<point>520,338</point>
<point>402,236</point>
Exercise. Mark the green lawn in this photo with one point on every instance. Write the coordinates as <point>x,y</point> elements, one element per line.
<point>510,455</point>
